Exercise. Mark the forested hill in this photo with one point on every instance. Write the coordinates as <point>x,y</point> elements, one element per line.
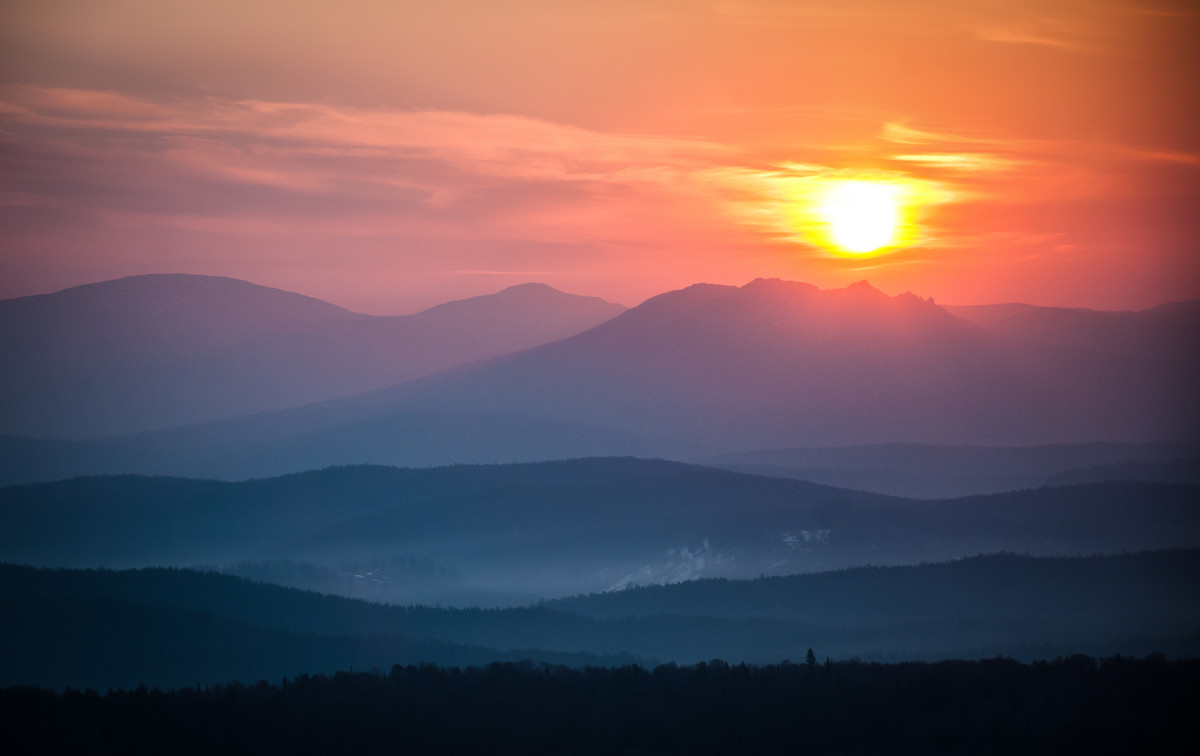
<point>171,628</point>
<point>175,627</point>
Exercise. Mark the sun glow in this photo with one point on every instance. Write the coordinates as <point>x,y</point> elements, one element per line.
<point>845,213</point>
<point>858,214</point>
<point>862,216</point>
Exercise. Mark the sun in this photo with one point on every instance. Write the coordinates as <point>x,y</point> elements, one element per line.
<point>854,214</point>
<point>861,216</point>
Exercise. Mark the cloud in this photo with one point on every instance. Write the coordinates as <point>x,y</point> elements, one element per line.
<point>962,161</point>
<point>269,169</point>
<point>1012,36</point>
<point>491,143</point>
<point>209,161</point>
<point>898,132</point>
<point>1183,158</point>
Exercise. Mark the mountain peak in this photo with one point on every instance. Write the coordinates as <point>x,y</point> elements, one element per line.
<point>535,300</point>
<point>778,286</point>
<point>185,296</point>
<point>864,288</point>
<point>531,287</point>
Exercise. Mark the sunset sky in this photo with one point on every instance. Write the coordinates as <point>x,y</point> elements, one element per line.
<point>390,155</point>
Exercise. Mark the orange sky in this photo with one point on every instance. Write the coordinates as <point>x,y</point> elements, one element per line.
<point>387,156</point>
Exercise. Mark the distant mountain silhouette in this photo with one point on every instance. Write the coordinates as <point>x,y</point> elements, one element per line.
<point>775,363</point>
<point>278,444</point>
<point>556,528</point>
<point>714,370</point>
<point>157,351</point>
<point>1177,470</point>
<point>931,471</point>
<point>1146,331</point>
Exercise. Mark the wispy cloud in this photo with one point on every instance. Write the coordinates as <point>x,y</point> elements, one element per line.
<point>488,143</point>
<point>280,169</point>
<point>962,161</point>
<point>374,169</point>
<point>1016,36</point>
<point>898,132</point>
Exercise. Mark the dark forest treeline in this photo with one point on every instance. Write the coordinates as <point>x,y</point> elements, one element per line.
<point>1071,705</point>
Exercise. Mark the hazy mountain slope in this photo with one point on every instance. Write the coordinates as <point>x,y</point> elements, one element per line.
<point>1177,470</point>
<point>101,643</point>
<point>520,316</point>
<point>127,520</point>
<point>1094,330</point>
<point>1139,363</point>
<point>164,350</point>
<point>1000,585</point>
<point>942,471</point>
<point>724,367</point>
<point>103,628</point>
<point>565,527</point>
<point>774,361</point>
<point>713,369</point>
<point>272,445</point>
<point>613,534</point>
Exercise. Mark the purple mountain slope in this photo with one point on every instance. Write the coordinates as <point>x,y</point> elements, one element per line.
<point>717,369</point>
<point>1153,332</point>
<point>776,363</point>
<point>158,351</point>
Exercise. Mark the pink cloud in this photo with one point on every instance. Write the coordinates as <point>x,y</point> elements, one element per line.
<point>444,158</point>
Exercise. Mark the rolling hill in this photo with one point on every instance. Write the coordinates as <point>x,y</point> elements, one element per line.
<point>177,628</point>
<point>557,528</point>
<point>937,471</point>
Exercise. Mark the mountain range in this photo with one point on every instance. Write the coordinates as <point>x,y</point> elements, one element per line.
<point>736,472</point>
<point>707,370</point>
<point>776,363</point>
<point>158,351</point>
